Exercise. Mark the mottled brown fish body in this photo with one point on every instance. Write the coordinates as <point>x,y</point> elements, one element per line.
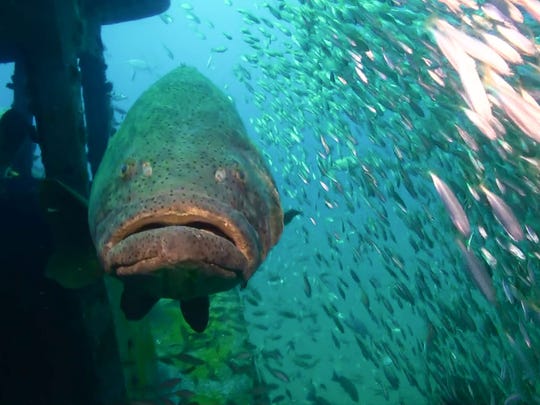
<point>182,194</point>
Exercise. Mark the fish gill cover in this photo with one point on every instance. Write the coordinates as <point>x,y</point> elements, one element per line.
<point>406,132</point>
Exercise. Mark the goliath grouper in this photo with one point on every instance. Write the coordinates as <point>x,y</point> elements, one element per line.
<point>183,205</point>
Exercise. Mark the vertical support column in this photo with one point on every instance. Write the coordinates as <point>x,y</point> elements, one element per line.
<point>96,93</point>
<point>58,111</point>
<point>52,42</point>
<point>23,159</point>
<point>16,131</point>
<point>55,85</point>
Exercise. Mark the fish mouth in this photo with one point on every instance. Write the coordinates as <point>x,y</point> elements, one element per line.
<point>193,253</point>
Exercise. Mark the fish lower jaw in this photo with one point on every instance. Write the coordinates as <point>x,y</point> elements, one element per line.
<point>186,257</point>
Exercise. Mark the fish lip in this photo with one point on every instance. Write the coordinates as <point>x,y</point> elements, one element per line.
<point>177,247</point>
<point>210,216</point>
<point>199,223</point>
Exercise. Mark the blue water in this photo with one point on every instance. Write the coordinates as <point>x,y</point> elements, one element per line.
<point>341,248</point>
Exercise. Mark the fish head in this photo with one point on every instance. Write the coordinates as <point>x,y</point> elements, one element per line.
<point>183,201</point>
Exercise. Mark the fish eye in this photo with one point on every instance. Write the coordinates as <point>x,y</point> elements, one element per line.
<point>147,169</point>
<point>220,174</point>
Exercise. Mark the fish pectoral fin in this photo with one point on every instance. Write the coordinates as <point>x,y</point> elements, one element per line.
<point>73,262</point>
<point>60,190</point>
<point>136,305</point>
<point>289,215</point>
<point>196,312</point>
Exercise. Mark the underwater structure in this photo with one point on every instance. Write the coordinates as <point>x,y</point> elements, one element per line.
<point>407,133</point>
<point>59,345</point>
<point>66,336</point>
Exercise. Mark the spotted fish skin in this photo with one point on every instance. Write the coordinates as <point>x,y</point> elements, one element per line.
<point>182,194</point>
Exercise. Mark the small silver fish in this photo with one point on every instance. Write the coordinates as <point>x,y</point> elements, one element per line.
<point>454,208</point>
<point>478,272</point>
<point>504,215</point>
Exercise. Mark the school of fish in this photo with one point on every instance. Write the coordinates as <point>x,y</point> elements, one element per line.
<point>406,132</point>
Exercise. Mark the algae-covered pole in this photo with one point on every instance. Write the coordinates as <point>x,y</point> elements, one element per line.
<point>55,87</point>
<point>96,93</point>
<point>45,37</point>
<point>21,162</point>
<point>59,120</point>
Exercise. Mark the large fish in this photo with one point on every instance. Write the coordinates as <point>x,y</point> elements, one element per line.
<point>183,205</point>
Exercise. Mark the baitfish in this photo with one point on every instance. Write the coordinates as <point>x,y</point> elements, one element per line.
<point>347,385</point>
<point>183,205</point>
